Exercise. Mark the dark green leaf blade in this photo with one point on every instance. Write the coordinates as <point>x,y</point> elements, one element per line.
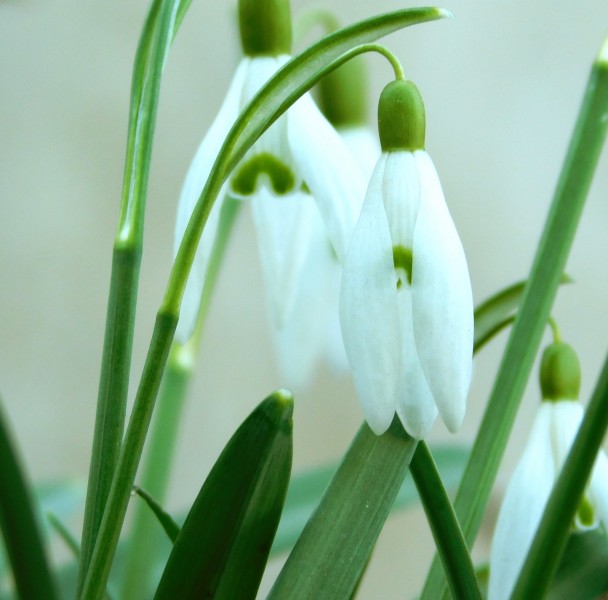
<point>20,527</point>
<point>223,547</point>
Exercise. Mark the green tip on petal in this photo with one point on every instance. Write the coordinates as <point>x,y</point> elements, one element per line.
<point>401,118</point>
<point>403,260</point>
<point>560,373</point>
<point>585,515</point>
<point>281,177</point>
<point>265,27</point>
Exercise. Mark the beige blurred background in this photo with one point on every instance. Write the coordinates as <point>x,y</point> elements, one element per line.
<point>502,84</point>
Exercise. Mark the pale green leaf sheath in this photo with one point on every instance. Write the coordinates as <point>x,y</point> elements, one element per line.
<point>299,160</point>
<point>555,427</point>
<point>406,306</point>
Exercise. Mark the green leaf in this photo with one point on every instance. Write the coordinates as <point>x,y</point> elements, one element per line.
<point>446,530</point>
<point>306,489</point>
<point>583,572</point>
<point>498,311</point>
<point>64,533</point>
<point>170,527</point>
<point>222,549</point>
<point>20,526</point>
<point>330,555</point>
<point>551,255</point>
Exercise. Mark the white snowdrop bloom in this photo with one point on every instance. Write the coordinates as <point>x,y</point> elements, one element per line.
<point>406,306</point>
<point>553,432</point>
<point>300,156</point>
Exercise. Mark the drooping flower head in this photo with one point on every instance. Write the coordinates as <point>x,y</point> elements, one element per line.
<point>297,167</point>
<point>406,306</point>
<point>553,432</point>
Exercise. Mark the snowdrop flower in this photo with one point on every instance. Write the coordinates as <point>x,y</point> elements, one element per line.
<point>299,158</point>
<point>553,433</point>
<point>406,306</point>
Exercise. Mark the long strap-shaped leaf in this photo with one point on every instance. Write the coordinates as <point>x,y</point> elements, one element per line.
<point>331,554</point>
<point>20,527</point>
<point>292,81</point>
<point>159,29</point>
<point>222,549</point>
<point>572,188</point>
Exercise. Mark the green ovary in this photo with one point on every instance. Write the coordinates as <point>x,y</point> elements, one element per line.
<point>403,260</point>
<point>281,177</point>
<point>585,513</point>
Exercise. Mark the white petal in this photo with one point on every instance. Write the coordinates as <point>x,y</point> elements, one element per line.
<point>283,226</point>
<point>191,190</point>
<point>368,310</point>
<point>401,193</point>
<point>522,507</point>
<point>415,404</point>
<point>328,170</point>
<point>442,300</point>
<point>301,342</point>
<point>364,147</point>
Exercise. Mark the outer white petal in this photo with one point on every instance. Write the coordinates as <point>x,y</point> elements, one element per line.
<point>369,314</point>
<point>191,190</point>
<point>327,168</point>
<point>284,226</point>
<point>301,342</point>
<point>522,507</point>
<point>415,404</point>
<point>442,300</point>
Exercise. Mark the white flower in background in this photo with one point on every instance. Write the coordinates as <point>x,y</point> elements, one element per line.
<point>552,435</point>
<point>311,336</point>
<point>298,158</point>
<point>406,306</point>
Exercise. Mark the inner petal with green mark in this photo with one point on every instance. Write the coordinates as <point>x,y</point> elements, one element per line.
<point>245,179</point>
<point>403,260</point>
<point>585,515</point>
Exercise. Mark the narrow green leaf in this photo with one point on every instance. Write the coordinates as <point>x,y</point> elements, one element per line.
<point>20,527</point>
<point>583,571</point>
<point>446,530</point>
<point>330,555</point>
<point>156,37</point>
<point>306,489</point>
<point>498,311</point>
<point>572,188</point>
<point>223,547</point>
<point>166,521</point>
<point>64,533</point>
<point>552,533</point>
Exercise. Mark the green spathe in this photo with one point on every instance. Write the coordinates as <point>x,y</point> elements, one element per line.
<point>560,373</point>
<point>401,117</point>
<point>265,27</point>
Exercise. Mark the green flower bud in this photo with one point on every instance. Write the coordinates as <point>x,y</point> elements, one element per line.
<point>265,27</point>
<point>401,119</point>
<point>343,94</point>
<point>560,373</point>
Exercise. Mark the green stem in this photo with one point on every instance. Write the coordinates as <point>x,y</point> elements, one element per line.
<point>444,525</point>
<point>552,534</point>
<point>118,499</point>
<point>573,186</point>
<point>332,552</point>
<point>118,339</point>
<point>20,527</point>
<point>155,478</point>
